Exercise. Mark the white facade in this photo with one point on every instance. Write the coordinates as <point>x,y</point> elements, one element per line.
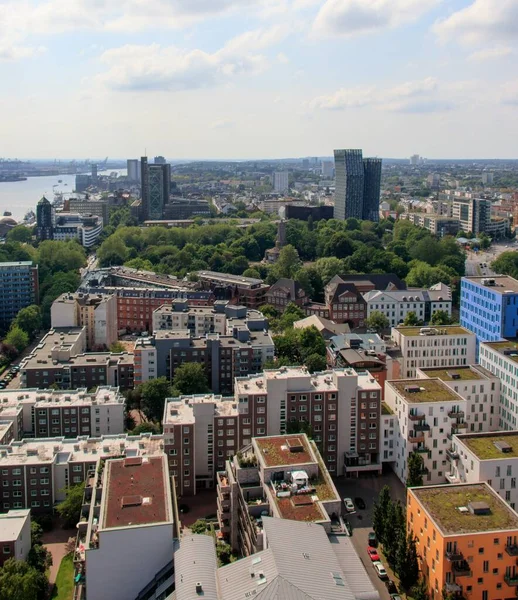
<point>389,438</point>
<point>199,321</point>
<point>424,424</point>
<point>280,182</point>
<point>145,361</point>
<point>15,528</point>
<point>328,168</point>
<point>500,359</point>
<point>427,347</point>
<point>133,169</point>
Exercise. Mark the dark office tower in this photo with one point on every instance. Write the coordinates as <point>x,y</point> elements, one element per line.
<point>159,160</point>
<point>144,193</point>
<point>44,221</point>
<point>349,173</point>
<point>94,174</point>
<point>156,186</point>
<point>371,189</point>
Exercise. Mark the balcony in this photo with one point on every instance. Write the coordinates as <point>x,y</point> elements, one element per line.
<point>416,417</point>
<point>422,427</point>
<point>415,438</point>
<point>453,588</point>
<point>452,478</point>
<point>458,426</point>
<point>462,569</point>
<point>456,414</point>
<point>452,454</point>
<point>454,555</point>
<point>511,580</point>
<point>421,450</point>
<point>512,549</point>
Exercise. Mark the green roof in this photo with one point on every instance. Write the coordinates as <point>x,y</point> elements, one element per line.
<point>464,373</point>
<point>483,444</point>
<point>507,348</point>
<point>447,329</point>
<point>443,502</point>
<point>385,409</point>
<point>430,390</point>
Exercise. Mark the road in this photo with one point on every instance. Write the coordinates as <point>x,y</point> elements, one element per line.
<point>475,262</point>
<point>368,487</point>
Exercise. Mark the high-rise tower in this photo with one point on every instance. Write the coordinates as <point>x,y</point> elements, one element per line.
<point>371,188</point>
<point>44,220</point>
<point>156,185</point>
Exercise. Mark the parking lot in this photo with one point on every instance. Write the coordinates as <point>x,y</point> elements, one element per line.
<point>367,488</point>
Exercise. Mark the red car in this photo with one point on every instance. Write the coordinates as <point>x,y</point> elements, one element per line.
<point>373,554</point>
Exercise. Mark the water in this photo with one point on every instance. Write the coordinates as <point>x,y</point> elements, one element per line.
<point>20,196</point>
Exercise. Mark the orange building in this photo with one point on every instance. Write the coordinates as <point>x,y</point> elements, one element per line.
<point>467,540</point>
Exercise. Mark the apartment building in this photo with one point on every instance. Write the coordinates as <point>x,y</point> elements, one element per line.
<point>15,535</point>
<point>438,224</point>
<point>96,313</point>
<point>35,472</point>
<point>489,457</point>
<point>466,540</point>
<point>342,407</point>
<point>68,413</point>
<point>7,432</point>
<point>248,291</point>
<point>489,307</point>
<point>285,291</point>
<point>501,359</point>
<point>397,304</point>
<point>60,359</point>
<point>18,289</point>
<point>427,413</point>
<point>480,389</point>
<point>279,476</point>
<point>389,436</point>
<point>425,347</point>
<point>72,226</point>
<point>127,505</point>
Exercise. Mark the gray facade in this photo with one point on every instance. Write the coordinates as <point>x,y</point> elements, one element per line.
<point>371,188</point>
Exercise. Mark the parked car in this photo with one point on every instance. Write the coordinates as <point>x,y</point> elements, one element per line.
<point>373,540</point>
<point>380,570</point>
<point>349,506</point>
<point>359,503</point>
<point>391,586</point>
<point>373,554</point>
<point>348,527</point>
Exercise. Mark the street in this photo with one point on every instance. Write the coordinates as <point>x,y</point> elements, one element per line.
<point>478,265</point>
<point>368,487</point>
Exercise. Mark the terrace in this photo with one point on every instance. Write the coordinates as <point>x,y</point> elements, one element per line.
<point>442,330</point>
<point>454,374</point>
<point>485,448</point>
<point>284,450</point>
<point>449,506</point>
<point>509,349</point>
<point>424,390</point>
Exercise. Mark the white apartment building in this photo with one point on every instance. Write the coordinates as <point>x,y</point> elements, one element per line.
<point>199,320</point>
<point>478,387</point>
<point>427,413</point>
<point>389,438</point>
<point>396,304</point>
<point>96,312</point>
<point>145,361</point>
<point>280,182</point>
<point>489,457</point>
<point>15,535</point>
<point>501,359</point>
<point>425,347</point>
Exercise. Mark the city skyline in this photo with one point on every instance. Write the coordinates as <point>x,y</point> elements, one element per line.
<point>198,79</point>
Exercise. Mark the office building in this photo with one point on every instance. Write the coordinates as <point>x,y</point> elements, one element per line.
<point>358,183</point>
<point>302,212</point>
<point>501,359</point>
<point>327,169</point>
<point>133,169</point>
<point>159,160</point>
<point>89,206</point>
<point>37,471</point>
<point>83,228</point>
<point>487,178</point>
<point>299,561</point>
<point>280,182</point>
<point>439,225</point>
<point>249,291</point>
<point>179,208</point>
<point>271,474</point>
<point>60,359</point>
<point>489,307</point>
<point>425,347</point>
<point>156,184</point>
<point>415,159</point>
<point>44,220</point>
<point>94,174</point>
<point>97,313</point>
<point>427,413</point>
<point>434,180</point>
<point>18,289</point>
<point>127,505</point>
<point>15,535</point>
<point>474,214</point>
<point>466,540</point>
<point>68,413</point>
<point>83,182</point>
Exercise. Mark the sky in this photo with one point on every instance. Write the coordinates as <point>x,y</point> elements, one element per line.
<point>244,79</point>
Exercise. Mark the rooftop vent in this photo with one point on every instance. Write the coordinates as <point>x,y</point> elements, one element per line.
<point>127,501</point>
<point>133,462</point>
<point>199,588</point>
<point>412,389</point>
<point>479,508</point>
<point>453,375</point>
<point>503,446</point>
<point>463,510</point>
<point>295,445</point>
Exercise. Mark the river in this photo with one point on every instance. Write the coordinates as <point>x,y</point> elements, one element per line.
<point>18,197</point>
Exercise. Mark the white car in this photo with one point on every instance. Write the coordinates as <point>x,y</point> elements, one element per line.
<point>380,570</point>
<point>349,506</point>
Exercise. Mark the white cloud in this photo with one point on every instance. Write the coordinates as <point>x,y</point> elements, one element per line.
<point>222,124</point>
<point>11,53</point>
<point>509,94</point>
<point>481,22</point>
<point>354,17</point>
<point>490,53</point>
<point>282,58</point>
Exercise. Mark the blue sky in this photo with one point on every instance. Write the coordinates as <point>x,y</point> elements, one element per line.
<point>258,78</point>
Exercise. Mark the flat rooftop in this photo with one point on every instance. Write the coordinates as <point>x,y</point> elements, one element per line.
<point>503,283</point>
<point>11,524</point>
<point>182,410</point>
<point>483,444</point>
<point>135,492</point>
<point>234,279</point>
<point>47,397</point>
<point>454,373</point>
<point>300,508</point>
<point>285,450</point>
<point>443,501</point>
<point>425,390</point>
<point>441,330</point>
<point>507,348</point>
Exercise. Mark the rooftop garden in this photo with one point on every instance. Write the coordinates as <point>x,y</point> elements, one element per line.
<point>430,390</point>
<point>484,446</point>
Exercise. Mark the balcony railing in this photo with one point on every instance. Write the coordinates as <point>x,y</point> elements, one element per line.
<point>422,427</point>
<point>421,450</point>
<point>511,579</point>
<point>462,570</point>
<point>453,587</point>
<point>456,414</point>
<point>452,454</point>
<point>512,549</point>
<point>416,417</point>
<point>454,555</point>
<point>415,438</point>
<point>457,426</point>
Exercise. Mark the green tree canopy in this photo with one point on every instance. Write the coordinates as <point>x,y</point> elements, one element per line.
<point>153,394</point>
<point>21,234</point>
<point>146,427</point>
<point>411,319</point>
<point>20,581</point>
<point>377,321</point>
<point>117,347</point>
<point>70,508</point>
<point>315,363</point>
<point>440,317</point>
<point>17,337</point>
<point>190,378</point>
<point>415,470</point>
<point>29,319</point>
<point>113,251</point>
<point>287,264</point>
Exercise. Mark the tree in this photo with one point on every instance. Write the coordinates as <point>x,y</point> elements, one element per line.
<point>315,363</point>
<point>29,319</point>
<point>415,470</point>
<point>39,558</point>
<point>70,508</point>
<point>117,347</point>
<point>394,523</point>
<point>380,513</point>
<point>190,378</point>
<point>411,319</point>
<point>153,394</point>
<point>377,321</point>
<point>311,342</point>
<point>440,317</point>
<point>17,338</point>
<point>420,590</point>
<point>113,251</point>
<point>287,264</point>
<point>146,427</point>
<point>21,234</point>
<point>224,553</point>
<point>407,564</point>
<point>253,273</point>
<point>200,526</point>
<point>20,581</point>
<point>506,264</point>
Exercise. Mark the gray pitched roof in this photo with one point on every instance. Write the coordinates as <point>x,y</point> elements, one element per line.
<point>352,566</point>
<point>195,562</point>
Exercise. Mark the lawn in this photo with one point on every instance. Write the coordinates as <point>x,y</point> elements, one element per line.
<point>64,586</point>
